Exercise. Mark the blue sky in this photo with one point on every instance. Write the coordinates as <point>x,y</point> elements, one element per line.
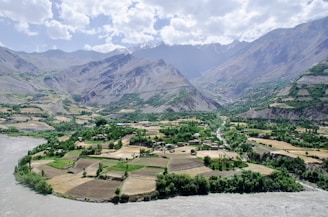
<point>104,25</point>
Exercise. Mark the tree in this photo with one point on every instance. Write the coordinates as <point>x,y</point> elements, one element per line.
<point>101,121</point>
<point>207,160</point>
<point>117,191</point>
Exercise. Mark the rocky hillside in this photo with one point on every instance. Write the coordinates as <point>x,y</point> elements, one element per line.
<point>126,82</point>
<point>307,97</point>
<point>280,55</point>
<point>52,60</point>
<point>11,62</point>
<point>190,60</point>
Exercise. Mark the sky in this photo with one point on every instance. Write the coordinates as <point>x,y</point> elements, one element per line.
<point>105,25</point>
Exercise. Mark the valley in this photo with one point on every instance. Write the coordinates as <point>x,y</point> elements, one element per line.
<point>148,124</point>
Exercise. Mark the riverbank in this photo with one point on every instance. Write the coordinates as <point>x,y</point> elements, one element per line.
<point>21,201</point>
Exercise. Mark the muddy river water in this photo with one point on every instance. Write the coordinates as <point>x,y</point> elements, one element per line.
<point>19,201</point>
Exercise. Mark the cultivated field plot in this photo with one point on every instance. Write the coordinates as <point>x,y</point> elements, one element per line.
<point>287,149</point>
<point>150,161</point>
<point>217,154</point>
<point>259,168</point>
<point>261,149</point>
<point>50,172</point>
<point>309,153</point>
<point>72,155</point>
<point>92,169</point>
<point>323,131</point>
<point>194,171</point>
<point>293,155</point>
<point>95,189</point>
<point>63,183</point>
<point>184,164</point>
<point>59,119</point>
<point>147,171</point>
<point>126,152</point>
<point>32,126</point>
<point>141,181</point>
<point>83,144</point>
<point>274,143</point>
<point>31,110</point>
<point>83,163</point>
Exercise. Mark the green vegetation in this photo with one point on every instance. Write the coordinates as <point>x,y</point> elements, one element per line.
<point>24,175</point>
<point>223,164</point>
<point>319,69</point>
<point>61,163</point>
<point>169,185</point>
<point>120,166</point>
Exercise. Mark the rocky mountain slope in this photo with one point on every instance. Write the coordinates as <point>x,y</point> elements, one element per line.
<point>190,60</point>
<point>126,82</point>
<point>52,60</point>
<point>11,62</point>
<point>280,55</point>
<point>307,97</point>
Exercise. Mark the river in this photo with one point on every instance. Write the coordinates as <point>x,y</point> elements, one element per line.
<point>18,201</point>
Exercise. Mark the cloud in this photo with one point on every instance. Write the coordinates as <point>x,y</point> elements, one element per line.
<point>115,24</point>
<point>26,12</point>
<point>103,48</point>
<point>72,16</point>
<point>56,30</point>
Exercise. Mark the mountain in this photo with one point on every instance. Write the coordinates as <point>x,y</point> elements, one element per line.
<point>280,55</point>
<point>52,60</point>
<point>191,60</point>
<point>126,82</point>
<point>11,62</point>
<point>307,97</point>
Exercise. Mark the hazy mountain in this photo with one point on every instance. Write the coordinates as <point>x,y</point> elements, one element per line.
<point>190,60</point>
<point>10,62</point>
<point>123,81</point>
<point>57,59</point>
<point>280,55</point>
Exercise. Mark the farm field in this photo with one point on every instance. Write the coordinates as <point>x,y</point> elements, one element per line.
<point>309,155</point>
<point>141,181</point>
<point>150,161</point>
<point>259,168</point>
<point>217,154</point>
<point>63,183</point>
<point>95,190</point>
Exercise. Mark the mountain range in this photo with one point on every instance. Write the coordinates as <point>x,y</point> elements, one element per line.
<point>167,78</point>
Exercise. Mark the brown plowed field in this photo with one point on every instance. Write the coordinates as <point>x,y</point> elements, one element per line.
<point>157,162</point>
<point>95,189</point>
<point>147,171</point>
<point>51,172</point>
<point>194,171</point>
<point>184,164</point>
<point>83,163</point>
<point>136,184</point>
<point>63,183</point>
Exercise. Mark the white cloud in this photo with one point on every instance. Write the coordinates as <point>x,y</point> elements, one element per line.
<point>56,30</point>
<point>72,16</point>
<point>103,48</point>
<point>113,24</point>
<point>26,12</point>
<point>25,27</point>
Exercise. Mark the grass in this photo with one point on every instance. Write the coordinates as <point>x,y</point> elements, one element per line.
<point>123,167</point>
<point>61,163</point>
